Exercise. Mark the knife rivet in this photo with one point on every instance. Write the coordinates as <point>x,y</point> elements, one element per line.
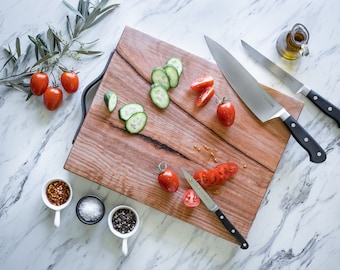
<point>315,97</point>
<point>293,125</point>
<point>330,109</point>
<point>232,231</point>
<point>306,139</point>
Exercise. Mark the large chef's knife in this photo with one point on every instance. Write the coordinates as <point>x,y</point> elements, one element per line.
<point>259,101</point>
<point>295,85</point>
<point>212,206</point>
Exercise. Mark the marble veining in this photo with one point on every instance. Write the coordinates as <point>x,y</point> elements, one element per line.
<point>298,223</point>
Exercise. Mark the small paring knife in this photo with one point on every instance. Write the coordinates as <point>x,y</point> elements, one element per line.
<point>296,86</point>
<point>212,206</point>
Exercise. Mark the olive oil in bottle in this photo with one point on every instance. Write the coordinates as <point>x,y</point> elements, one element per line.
<point>294,43</point>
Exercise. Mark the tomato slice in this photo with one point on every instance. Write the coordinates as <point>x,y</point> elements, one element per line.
<point>202,83</point>
<point>233,168</point>
<point>222,174</point>
<point>213,178</point>
<point>201,176</point>
<point>205,96</point>
<point>191,199</point>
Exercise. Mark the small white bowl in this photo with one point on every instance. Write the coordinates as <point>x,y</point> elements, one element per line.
<point>116,232</point>
<point>55,207</point>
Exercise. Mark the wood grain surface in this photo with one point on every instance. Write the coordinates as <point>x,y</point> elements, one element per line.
<point>108,155</point>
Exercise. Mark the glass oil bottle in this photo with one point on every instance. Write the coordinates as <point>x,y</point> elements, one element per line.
<point>294,43</point>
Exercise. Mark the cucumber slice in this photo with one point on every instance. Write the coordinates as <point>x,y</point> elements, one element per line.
<point>136,122</point>
<point>129,109</point>
<point>158,75</point>
<point>172,74</point>
<point>177,63</point>
<point>159,96</point>
<point>110,99</point>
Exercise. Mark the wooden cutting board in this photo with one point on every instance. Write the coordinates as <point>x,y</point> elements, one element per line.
<point>108,155</point>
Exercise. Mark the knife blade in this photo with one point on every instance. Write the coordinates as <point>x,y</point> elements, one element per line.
<point>212,206</point>
<point>295,85</point>
<point>259,101</point>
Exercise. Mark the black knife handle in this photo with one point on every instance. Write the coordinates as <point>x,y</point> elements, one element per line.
<point>325,106</point>
<point>230,227</point>
<point>315,151</point>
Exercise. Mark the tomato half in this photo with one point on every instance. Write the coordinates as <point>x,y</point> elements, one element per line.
<point>191,199</point>
<point>69,81</point>
<point>202,83</point>
<point>226,113</point>
<point>205,96</point>
<point>53,97</point>
<point>38,83</point>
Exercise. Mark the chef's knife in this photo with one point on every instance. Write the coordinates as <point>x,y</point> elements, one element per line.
<point>296,86</point>
<point>259,101</point>
<point>212,206</point>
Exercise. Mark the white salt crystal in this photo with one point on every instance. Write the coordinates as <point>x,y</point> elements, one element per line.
<point>90,209</point>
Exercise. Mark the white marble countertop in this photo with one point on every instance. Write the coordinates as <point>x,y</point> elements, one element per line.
<point>298,224</point>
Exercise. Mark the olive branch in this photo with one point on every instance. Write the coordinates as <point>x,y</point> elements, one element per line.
<point>52,45</point>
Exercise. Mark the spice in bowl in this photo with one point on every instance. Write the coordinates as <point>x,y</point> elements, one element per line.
<point>90,209</point>
<point>124,220</point>
<point>58,192</point>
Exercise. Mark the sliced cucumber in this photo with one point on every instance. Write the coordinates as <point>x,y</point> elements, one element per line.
<point>136,122</point>
<point>110,99</point>
<point>159,75</point>
<point>159,96</point>
<point>177,63</point>
<point>127,110</point>
<point>172,74</point>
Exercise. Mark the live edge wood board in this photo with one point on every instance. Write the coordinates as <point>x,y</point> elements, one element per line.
<point>108,155</point>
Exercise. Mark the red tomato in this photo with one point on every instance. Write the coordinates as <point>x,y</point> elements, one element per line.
<point>226,112</point>
<point>39,83</point>
<point>205,96</point>
<point>167,179</point>
<point>191,199</point>
<point>53,97</point>
<point>201,176</point>
<point>69,81</point>
<point>202,83</point>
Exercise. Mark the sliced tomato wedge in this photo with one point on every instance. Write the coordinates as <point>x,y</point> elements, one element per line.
<point>202,83</point>
<point>205,96</point>
<point>191,199</point>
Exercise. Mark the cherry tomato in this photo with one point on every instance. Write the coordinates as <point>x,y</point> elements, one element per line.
<point>226,112</point>
<point>202,83</point>
<point>191,199</point>
<point>69,81</point>
<point>39,83</point>
<point>53,97</point>
<point>167,179</point>
<point>204,96</point>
